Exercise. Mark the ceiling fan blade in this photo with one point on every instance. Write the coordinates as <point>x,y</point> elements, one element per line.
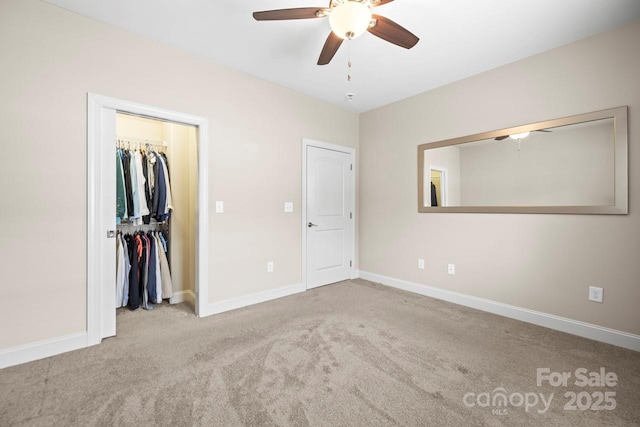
<point>500,138</point>
<point>281,14</point>
<point>329,49</point>
<point>380,3</point>
<point>388,30</point>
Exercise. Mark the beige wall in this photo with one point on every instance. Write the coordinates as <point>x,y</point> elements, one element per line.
<point>51,58</point>
<point>540,262</point>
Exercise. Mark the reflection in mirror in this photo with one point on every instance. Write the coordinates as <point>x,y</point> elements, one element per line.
<point>437,186</point>
<point>571,165</point>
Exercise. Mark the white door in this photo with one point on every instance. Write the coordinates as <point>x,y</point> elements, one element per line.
<point>329,220</point>
<point>107,192</point>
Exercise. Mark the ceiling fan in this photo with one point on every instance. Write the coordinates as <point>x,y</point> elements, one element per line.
<point>520,135</point>
<point>348,19</point>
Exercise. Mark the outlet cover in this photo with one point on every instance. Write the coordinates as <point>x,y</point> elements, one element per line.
<point>420,263</point>
<point>270,267</point>
<point>219,206</point>
<point>451,268</point>
<point>595,294</point>
<point>288,207</point>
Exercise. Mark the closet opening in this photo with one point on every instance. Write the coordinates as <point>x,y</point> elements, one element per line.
<point>183,140</point>
<point>156,220</point>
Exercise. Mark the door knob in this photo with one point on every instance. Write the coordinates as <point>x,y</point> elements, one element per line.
<point>312,225</point>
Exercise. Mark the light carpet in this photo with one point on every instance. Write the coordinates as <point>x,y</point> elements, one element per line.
<point>350,354</point>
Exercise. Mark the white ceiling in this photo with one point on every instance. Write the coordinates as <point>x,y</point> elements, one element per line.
<point>458,39</point>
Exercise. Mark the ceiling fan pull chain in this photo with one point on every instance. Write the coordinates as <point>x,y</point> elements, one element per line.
<point>349,61</point>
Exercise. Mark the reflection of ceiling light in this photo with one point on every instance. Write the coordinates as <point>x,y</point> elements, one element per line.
<point>521,135</point>
<point>350,19</point>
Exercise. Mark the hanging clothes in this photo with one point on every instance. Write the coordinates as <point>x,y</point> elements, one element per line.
<point>168,206</point>
<point>121,196</point>
<point>126,171</point>
<point>167,284</point>
<point>136,218</point>
<point>134,273</point>
<point>143,276</point>
<point>434,196</point>
<point>144,269</point>
<point>141,181</point>
<point>143,194</point>
<point>161,202</point>
<point>152,268</point>
<point>123,268</point>
<point>143,187</point>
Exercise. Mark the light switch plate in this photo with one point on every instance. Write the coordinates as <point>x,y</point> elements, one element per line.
<point>451,268</point>
<point>219,206</point>
<point>288,207</point>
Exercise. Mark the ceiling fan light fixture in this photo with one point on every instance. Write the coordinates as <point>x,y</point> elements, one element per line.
<point>520,135</point>
<point>350,19</point>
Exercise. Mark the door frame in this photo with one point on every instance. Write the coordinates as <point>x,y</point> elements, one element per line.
<point>443,188</point>
<point>100,127</point>
<point>352,154</point>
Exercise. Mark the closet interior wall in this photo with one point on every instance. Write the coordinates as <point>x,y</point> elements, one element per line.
<point>181,151</point>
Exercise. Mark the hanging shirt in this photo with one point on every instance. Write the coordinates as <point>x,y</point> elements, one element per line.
<point>167,285</point>
<point>142,199</point>
<point>160,194</point>
<point>121,271</point>
<point>134,274</point>
<point>168,207</point>
<point>127,265</point>
<point>163,240</point>
<point>126,170</point>
<point>136,218</point>
<point>152,268</point>
<point>158,247</point>
<point>121,197</point>
<point>144,267</point>
<point>151,161</point>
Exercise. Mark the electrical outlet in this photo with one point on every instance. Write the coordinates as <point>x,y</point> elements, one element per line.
<point>219,206</point>
<point>451,268</point>
<point>270,267</point>
<point>288,207</point>
<point>595,294</point>
<point>420,263</point>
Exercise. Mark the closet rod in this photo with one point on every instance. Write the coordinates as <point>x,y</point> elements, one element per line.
<point>136,140</point>
<point>161,226</point>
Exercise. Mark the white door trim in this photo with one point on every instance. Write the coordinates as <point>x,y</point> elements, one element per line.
<point>100,107</point>
<point>327,146</point>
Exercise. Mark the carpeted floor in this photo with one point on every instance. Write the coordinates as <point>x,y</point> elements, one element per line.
<point>349,354</point>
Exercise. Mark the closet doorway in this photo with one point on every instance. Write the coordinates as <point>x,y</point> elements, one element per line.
<point>181,140</point>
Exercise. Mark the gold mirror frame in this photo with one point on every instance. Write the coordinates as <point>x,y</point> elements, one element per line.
<point>620,206</point>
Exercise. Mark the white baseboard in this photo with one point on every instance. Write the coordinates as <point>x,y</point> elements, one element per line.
<point>235,303</point>
<point>41,349</point>
<point>187,296</point>
<point>575,327</point>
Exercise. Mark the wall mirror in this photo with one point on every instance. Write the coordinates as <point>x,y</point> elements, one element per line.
<point>574,165</point>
